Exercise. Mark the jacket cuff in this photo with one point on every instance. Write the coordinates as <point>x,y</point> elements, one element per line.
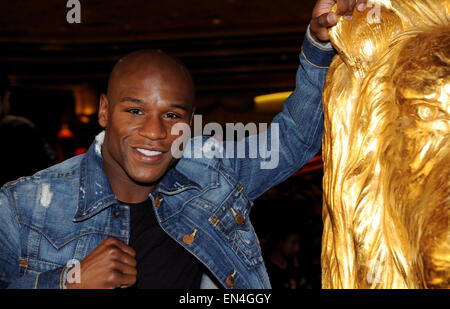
<point>317,54</point>
<point>52,279</point>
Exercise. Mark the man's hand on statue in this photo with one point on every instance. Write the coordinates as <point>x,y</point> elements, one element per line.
<point>323,18</point>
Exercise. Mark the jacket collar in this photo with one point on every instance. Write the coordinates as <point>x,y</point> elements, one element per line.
<point>95,191</point>
<point>191,172</point>
<point>175,182</point>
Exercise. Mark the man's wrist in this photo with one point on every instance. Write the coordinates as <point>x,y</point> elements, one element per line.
<point>321,44</point>
<point>315,53</point>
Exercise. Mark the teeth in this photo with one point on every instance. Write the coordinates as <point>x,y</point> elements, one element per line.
<point>148,152</point>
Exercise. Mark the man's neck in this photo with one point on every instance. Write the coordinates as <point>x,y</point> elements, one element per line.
<point>124,188</point>
<point>128,191</point>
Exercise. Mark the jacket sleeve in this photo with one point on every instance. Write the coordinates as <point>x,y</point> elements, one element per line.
<point>295,134</point>
<point>10,252</point>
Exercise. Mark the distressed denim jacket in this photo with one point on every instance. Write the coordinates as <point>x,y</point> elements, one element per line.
<point>64,212</point>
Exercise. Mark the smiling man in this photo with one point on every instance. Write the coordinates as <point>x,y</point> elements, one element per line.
<point>127,213</point>
<point>148,93</point>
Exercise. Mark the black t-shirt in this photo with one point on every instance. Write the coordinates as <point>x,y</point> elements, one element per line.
<point>162,263</point>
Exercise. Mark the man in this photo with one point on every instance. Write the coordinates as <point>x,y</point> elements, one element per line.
<point>18,135</point>
<point>282,261</point>
<point>131,213</point>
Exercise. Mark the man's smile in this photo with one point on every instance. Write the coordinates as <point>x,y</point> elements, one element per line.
<point>148,155</point>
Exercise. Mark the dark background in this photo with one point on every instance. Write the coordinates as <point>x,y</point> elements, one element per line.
<point>235,50</point>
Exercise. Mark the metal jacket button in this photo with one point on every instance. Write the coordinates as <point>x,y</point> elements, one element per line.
<point>214,220</point>
<point>116,214</point>
<point>230,279</point>
<point>239,218</point>
<point>158,201</point>
<point>189,238</point>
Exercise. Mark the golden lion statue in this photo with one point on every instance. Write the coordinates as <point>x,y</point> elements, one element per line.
<point>386,148</point>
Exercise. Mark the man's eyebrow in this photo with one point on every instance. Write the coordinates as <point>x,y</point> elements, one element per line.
<point>178,106</point>
<point>130,99</point>
<point>136,100</point>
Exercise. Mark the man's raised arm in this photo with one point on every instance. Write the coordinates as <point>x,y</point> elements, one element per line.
<point>295,134</point>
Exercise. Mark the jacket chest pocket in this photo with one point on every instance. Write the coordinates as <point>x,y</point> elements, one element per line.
<point>43,251</point>
<point>233,214</point>
<point>231,220</point>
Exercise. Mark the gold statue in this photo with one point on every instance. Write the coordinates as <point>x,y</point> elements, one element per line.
<point>386,148</point>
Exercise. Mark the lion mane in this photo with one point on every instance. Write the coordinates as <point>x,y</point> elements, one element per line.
<point>386,170</point>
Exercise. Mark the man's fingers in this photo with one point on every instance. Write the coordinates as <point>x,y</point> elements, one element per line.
<point>114,254</point>
<point>320,25</point>
<point>111,241</point>
<point>122,275</point>
<point>327,20</point>
<point>361,5</point>
<point>118,251</point>
<point>346,7</point>
<point>124,258</point>
<point>124,268</point>
<point>127,249</point>
<point>127,280</point>
<point>118,279</point>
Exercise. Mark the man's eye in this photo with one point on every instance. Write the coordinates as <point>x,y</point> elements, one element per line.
<point>134,111</point>
<point>172,116</point>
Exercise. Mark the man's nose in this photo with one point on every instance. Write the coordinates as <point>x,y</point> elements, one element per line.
<point>153,128</point>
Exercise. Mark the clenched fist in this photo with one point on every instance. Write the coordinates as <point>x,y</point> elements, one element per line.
<point>112,264</point>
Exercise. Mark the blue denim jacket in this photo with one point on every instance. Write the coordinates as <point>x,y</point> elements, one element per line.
<point>66,211</point>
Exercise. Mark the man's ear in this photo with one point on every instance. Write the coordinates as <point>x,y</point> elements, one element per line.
<point>103,111</point>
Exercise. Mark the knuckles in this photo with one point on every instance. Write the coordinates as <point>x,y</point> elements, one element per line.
<point>113,278</point>
<point>106,264</point>
<point>110,241</point>
<point>113,252</point>
<point>114,265</point>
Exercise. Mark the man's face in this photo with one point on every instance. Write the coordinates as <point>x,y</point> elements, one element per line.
<point>290,246</point>
<point>138,115</point>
